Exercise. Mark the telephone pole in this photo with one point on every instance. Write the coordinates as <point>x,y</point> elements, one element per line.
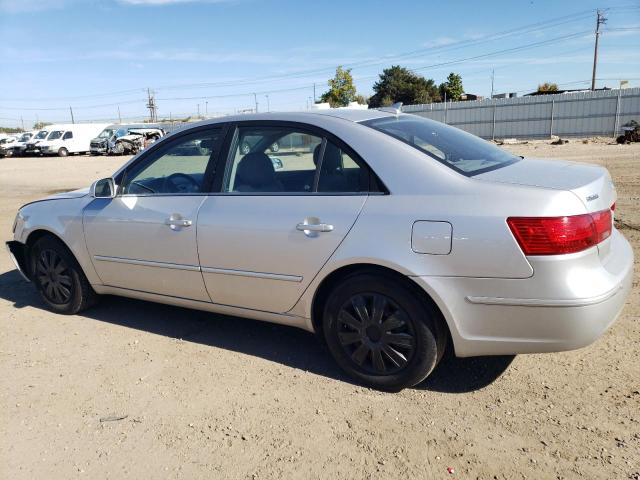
<point>600,20</point>
<point>151,105</point>
<point>255,99</point>
<point>119,117</point>
<point>492,75</point>
<point>71,110</point>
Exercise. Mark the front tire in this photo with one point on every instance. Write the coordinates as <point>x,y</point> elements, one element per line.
<point>381,332</point>
<point>59,278</point>
<point>63,152</point>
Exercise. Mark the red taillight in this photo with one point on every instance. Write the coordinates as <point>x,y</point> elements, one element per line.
<point>560,235</point>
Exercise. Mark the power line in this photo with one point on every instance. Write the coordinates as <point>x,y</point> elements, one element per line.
<point>554,22</point>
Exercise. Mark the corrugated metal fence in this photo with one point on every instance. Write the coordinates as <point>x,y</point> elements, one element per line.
<point>566,115</point>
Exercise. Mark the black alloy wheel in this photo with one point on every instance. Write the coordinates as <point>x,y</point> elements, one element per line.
<point>382,330</point>
<point>375,333</point>
<point>53,274</point>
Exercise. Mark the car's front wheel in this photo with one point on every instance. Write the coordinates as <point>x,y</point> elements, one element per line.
<point>58,277</point>
<point>381,332</point>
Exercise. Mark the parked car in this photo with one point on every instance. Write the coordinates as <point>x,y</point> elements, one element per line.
<point>70,139</point>
<point>5,144</point>
<point>16,147</point>
<point>391,236</point>
<point>32,147</point>
<point>125,139</point>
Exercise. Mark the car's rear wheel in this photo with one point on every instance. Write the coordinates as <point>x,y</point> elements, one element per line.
<point>381,332</point>
<point>58,277</point>
<point>63,152</point>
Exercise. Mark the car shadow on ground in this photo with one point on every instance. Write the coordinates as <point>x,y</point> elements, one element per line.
<point>286,345</point>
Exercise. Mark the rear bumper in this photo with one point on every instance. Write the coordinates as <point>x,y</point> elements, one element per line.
<point>17,252</point>
<point>568,303</point>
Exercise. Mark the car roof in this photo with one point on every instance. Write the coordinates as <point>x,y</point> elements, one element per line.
<point>312,116</point>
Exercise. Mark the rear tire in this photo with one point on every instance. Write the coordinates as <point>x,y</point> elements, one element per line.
<point>59,278</point>
<point>63,152</point>
<point>381,332</point>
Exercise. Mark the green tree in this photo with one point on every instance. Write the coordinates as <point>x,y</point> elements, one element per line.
<point>341,89</point>
<point>452,87</point>
<point>548,87</point>
<point>398,84</point>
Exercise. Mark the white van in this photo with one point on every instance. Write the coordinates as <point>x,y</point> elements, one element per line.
<point>70,138</point>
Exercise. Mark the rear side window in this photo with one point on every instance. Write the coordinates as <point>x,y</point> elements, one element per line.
<point>291,160</point>
<point>273,160</point>
<point>459,150</point>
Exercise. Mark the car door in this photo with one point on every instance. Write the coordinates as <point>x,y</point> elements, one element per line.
<point>278,216</point>
<point>145,238</point>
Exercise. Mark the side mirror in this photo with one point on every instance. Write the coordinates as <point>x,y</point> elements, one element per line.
<point>105,188</point>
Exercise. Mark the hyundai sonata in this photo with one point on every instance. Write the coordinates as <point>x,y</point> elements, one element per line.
<point>391,236</point>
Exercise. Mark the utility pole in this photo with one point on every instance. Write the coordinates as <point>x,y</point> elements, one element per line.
<point>268,104</point>
<point>151,105</point>
<point>600,20</point>
<point>198,110</point>
<point>492,75</point>
<point>22,121</point>
<point>206,108</point>
<point>119,117</point>
<point>71,110</point>
<point>255,99</point>
<point>314,93</point>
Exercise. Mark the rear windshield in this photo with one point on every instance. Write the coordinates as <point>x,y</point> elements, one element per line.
<point>459,150</point>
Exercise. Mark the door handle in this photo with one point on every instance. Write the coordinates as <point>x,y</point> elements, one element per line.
<point>176,221</point>
<point>314,227</point>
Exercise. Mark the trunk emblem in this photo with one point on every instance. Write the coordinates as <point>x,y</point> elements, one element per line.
<point>595,196</point>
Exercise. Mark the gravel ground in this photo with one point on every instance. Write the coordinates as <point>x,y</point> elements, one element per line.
<point>138,390</point>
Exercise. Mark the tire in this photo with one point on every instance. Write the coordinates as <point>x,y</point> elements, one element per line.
<point>398,350</point>
<point>63,152</point>
<point>9,153</point>
<point>58,277</point>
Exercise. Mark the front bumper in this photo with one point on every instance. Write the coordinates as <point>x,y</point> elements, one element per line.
<point>17,252</point>
<point>568,303</point>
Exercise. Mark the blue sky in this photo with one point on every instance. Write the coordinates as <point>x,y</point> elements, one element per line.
<point>96,55</point>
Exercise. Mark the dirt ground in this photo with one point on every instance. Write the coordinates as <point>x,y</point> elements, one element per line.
<point>205,396</point>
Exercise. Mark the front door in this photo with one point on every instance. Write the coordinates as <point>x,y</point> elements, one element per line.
<point>145,238</point>
<point>288,198</point>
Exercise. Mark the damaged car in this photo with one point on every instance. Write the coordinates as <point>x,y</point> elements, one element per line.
<point>125,139</point>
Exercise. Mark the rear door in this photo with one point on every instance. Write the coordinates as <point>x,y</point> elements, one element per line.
<point>279,215</point>
<point>145,238</point>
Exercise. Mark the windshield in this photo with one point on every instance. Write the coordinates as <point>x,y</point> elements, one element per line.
<point>121,132</point>
<point>106,133</point>
<point>459,150</point>
<point>41,134</point>
<point>56,134</point>
<point>25,137</point>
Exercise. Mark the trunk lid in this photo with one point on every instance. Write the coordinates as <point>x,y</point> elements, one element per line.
<point>591,183</point>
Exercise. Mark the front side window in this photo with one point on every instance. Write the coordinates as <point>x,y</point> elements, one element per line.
<point>272,160</point>
<point>67,135</point>
<point>41,134</point>
<point>179,168</point>
<point>56,134</point>
<point>459,150</point>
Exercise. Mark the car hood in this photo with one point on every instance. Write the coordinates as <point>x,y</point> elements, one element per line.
<point>591,183</point>
<point>82,192</point>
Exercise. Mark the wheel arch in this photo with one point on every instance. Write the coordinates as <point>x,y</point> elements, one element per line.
<point>36,235</point>
<point>333,278</point>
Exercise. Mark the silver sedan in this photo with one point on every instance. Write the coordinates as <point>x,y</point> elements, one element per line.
<point>391,236</point>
